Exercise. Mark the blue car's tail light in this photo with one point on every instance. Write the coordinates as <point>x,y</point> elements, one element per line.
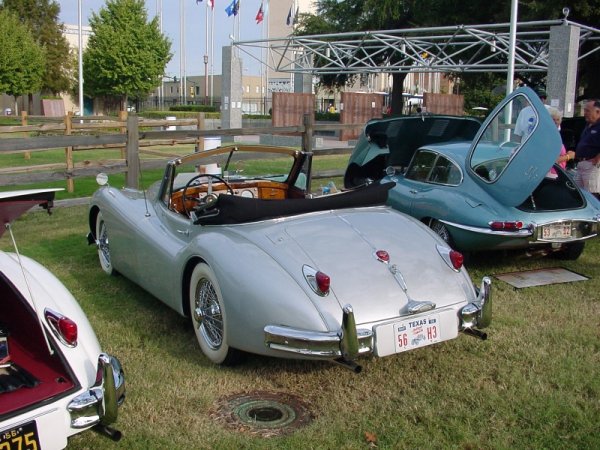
<point>506,226</point>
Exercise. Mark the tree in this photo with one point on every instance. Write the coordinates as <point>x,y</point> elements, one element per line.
<point>334,16</point>
<point>22,60</point>
<point>126,55</point>
<point>42,17</point>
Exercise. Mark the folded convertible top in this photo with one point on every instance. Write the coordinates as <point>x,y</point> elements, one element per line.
<point>234,209</point>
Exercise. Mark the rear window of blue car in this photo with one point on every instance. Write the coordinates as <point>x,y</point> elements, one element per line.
<point>431,167</point>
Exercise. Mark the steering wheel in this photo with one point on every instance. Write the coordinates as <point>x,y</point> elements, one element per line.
<point>207,201</point>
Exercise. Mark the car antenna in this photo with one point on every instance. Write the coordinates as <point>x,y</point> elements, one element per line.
<point>9,228</point>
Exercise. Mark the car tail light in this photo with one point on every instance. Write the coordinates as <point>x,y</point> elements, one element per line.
<point>323,282</point>
<point>63,328</point>
<point>457,259</point>
<point>452,258</point>
<point>382,256</point>
<point>506,226</point>
<point>317,280</point>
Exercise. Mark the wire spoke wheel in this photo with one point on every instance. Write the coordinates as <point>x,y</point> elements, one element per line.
<point>208,314</point>
<point>102,243</point>
<point>209,317</point>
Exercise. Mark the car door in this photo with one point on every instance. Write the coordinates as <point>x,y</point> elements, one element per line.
<point>412,190</point>
<point>507,167</point>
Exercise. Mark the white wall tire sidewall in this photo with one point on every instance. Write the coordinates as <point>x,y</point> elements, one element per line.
<point>220,354</point>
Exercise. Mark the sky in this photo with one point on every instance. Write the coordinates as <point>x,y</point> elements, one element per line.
<point>194,21</point>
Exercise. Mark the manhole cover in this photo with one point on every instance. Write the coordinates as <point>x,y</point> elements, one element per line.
<point>263,413</point>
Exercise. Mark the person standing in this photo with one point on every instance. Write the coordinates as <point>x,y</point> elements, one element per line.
<point>587,151</point>
<point>564,155</point>
<point>527,117</point>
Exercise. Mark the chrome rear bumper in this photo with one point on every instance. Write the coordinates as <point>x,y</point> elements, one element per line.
<point>99,405</point>
<point>345,345</point>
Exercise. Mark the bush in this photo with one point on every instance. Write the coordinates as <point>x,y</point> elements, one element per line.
<point>327,116</point>
<point>194,108</point>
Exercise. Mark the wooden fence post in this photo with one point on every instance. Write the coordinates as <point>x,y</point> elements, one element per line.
<point>133,155</point>
<point>201,126</point>
<point>307,134</point>
<point>69,152</point>
<point>123,117</point>
<point>26,155</point>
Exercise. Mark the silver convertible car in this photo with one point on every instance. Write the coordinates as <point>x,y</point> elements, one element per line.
<point>232,239</point>
<point>481,186</point>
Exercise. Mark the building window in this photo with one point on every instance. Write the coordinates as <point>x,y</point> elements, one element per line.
<point>247,89</point>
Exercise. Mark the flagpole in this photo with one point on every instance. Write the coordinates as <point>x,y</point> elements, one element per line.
<point>265,93</point>
<point>181,51</point>
<point>206,58</point>
<point>80,59</point>
<point>212,53</point>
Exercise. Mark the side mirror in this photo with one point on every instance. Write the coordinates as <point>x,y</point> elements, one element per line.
<point>390,171</point>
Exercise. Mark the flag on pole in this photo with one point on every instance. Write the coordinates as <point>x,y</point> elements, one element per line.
<point>292,16</point>
<point>198,2</point>
<point>211,3</point>
<point>233,8</point>
<point>260,15</point>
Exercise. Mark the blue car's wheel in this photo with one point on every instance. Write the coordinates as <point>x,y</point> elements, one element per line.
<point>209,318</point>
<point>103,248</point>
<point>570,251</point>
<point>440,229</point>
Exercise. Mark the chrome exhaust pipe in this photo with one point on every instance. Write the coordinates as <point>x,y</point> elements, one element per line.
<point>475,333</point>
<point>356,368</point>
<point>111,433</point>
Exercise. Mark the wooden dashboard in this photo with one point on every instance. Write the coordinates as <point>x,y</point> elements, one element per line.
<point>262,189</point>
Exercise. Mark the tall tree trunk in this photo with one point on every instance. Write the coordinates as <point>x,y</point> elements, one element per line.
<point>397,102</point>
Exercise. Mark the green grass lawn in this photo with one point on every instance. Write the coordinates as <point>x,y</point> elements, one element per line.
<point>533,384</point>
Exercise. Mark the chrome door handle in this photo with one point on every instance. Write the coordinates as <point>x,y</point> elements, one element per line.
<point>184,232</point>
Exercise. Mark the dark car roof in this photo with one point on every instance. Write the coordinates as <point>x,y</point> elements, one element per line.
<point>407,133</point>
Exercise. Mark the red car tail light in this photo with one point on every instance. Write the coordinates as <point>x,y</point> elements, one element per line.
<point>63,328</point>
<point>452,258</point>
<point>506,226</point>
<point>323,282</point>
<point>318,281</point>
<point>382,256</point>
<point>457,259</point>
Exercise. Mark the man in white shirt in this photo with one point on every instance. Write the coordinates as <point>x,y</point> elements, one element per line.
<point>527,118</point>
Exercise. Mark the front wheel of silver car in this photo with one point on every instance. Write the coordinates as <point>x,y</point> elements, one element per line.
<point>102,243</point>
<point>209,318</point>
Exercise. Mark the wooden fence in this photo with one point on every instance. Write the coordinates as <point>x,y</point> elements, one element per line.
<point>134,136</point>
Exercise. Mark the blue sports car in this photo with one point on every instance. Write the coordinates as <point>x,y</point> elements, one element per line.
<point>481,186</point>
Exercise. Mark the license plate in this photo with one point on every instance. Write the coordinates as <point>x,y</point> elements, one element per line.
<point>23,437</point>
<point>556,231</point>
<point>415,333</point>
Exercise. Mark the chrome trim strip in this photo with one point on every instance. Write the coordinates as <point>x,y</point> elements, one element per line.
<point>525,232</point>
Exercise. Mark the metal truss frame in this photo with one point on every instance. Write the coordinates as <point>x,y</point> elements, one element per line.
<point>461,48</point>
